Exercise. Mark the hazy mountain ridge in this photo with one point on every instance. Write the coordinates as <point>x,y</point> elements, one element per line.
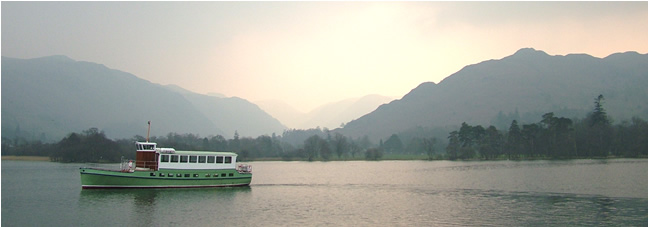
<point>529,81</point>
<point>226,111</point>
<point>289,116</point>
<point>52,96</point>
<point>48,97</point>
<point>330,115</point>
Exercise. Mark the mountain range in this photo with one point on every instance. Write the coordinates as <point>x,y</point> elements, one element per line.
<point>522,86</point>
<point>47,98</point>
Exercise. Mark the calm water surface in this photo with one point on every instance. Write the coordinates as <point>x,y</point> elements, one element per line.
<point>384,193</point>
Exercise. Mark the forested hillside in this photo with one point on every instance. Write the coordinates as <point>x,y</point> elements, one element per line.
<point>519,87</point>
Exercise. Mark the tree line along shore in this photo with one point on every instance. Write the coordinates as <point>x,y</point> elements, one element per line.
<point>554,137</point>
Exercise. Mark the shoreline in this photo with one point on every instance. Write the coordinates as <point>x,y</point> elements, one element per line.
<point>388,158</point>
<point>25,158</point>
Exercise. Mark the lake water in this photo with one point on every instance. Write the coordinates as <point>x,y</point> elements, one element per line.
<point>354,193</point>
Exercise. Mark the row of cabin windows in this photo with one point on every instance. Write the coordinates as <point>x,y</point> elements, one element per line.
<point>196,159</point>
<point>194,175</point>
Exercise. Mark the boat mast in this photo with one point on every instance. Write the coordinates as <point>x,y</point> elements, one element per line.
<point>149,131</point>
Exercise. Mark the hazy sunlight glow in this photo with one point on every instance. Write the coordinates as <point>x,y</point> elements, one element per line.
<point>311,53</point>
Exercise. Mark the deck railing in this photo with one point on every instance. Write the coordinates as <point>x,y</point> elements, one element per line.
<point>244,168</point>
<point>129,165</point>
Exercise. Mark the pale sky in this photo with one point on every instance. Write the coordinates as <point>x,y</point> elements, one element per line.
<point>312,53</point>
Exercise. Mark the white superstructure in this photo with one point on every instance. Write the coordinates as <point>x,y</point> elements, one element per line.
<point>196,160</point>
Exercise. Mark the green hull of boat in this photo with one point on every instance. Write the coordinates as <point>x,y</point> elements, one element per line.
<point>164,178</point>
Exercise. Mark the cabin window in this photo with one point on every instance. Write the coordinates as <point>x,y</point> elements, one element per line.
<point>219,159</point>
<point>165,158</point>
<point>161,174</point>
<point>207,175</point>
<point>195,175</point>
<point>184,158</point>
<point>215,174</point>
<point>174,158</point>
<point>210,159</point>
<point>193,159</point>
<point>223,175</point>
<point>170,175</point>
<point>202,159</point>
<point>231,174</point>
<point>228,159</point>
<point>178,175</point>
<point>152,174</point>
<point>146,147</point>
<point>186,175</point>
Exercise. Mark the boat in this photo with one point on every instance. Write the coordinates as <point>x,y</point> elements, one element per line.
<point>167,168</point>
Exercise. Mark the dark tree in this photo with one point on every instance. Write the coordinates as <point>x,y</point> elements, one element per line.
<point>393,144</point>
<point>373,154</point>
<point>599,134</point>
<point>638,131</point>
<point>598,115</point>
<point>428,145</point>
<point>514,144</point>
<point>491,143</point>
<point>556,136</point>
<point>235,144</point>
<point>312,147</point>
<point>453,145</point>
<point>340,144</point>
<point>218,143</point>
<point>325,150</point>
<point>354,149</point>
<point>90,146</point>
<point>530,135</point>
<point>415,146</point>
<point>466,135</point>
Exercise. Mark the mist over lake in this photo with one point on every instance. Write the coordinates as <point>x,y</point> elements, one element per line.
<point>384,193</point>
